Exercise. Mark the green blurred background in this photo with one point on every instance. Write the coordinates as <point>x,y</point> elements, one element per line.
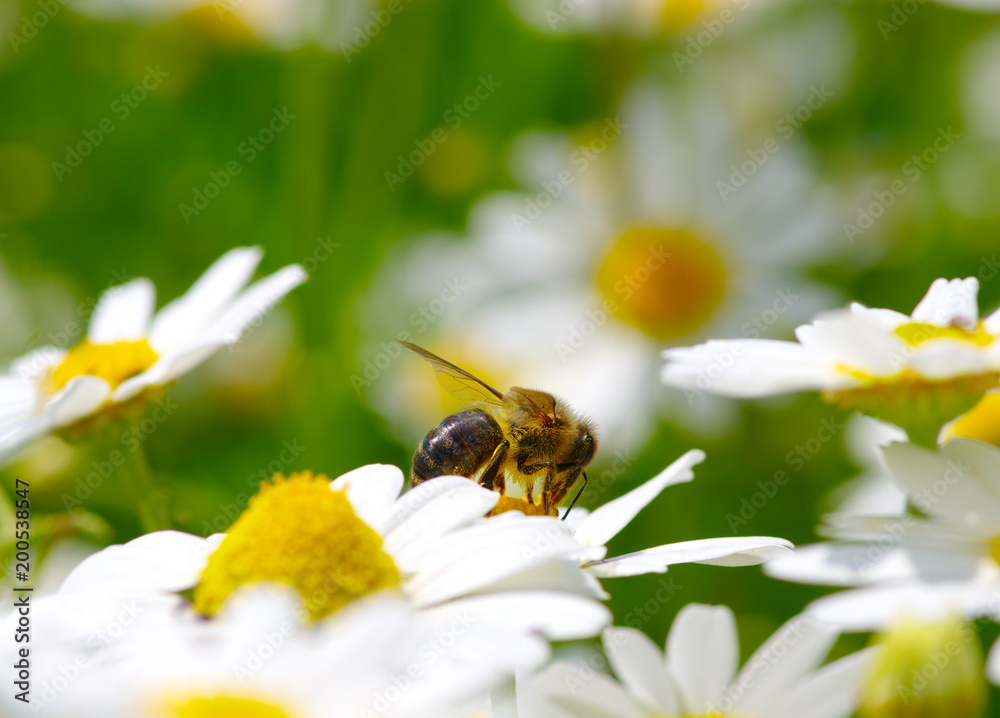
<point>62,239</point>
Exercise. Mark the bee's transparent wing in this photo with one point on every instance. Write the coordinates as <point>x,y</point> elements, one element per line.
<point>533,403</point>
<point>459,383</point>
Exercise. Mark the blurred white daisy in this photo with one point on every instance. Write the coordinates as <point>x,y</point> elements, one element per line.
<point>917,371</point>
<point>929,567</point>
<point>656,227</point>
<point>696,676</point>
<point>873,491</point>
<point>128,351</point>
<point>257,658</point>
<point>337,25</point>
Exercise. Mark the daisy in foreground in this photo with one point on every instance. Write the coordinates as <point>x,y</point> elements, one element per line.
<point>256,660</point>
<point>129,352</point>
<point>696,676</point>
<point>917,371</point>
<point>338,542</point>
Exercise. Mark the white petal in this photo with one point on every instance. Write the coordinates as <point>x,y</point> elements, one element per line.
<point>181,321</point>
<point>992,323</point>
<point>855,340</point>
<point>167,368</point>
<point>159,562</point>
<point>832,692</point>
<point>254,303</point>
<point>640,666</point>
<point>702,653</point>
<point>371,490</point>
<point>956,482</point>
<point>604,523</point>
<point>993,663</point>
<point>82,396</point>
<point>557,616</point>
<point>122,313</point>
<point>950,303</point>
<point>780,665</point>
<point>409,540</point>
<point>871,609</point>
<point>413,500</point>
<point>17,397</point>
<point>568,690</point>
<point>562,576</point>
<point>737,551</point>
<point>750,368</point>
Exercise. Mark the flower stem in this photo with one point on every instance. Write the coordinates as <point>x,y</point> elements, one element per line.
<point>135,474</point>
<point>503,699</point>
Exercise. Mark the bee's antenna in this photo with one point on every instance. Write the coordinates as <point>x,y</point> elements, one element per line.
<point>577,497</point>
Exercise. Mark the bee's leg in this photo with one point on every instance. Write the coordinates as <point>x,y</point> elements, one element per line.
<point>577,497</point>
<point>491,475</point>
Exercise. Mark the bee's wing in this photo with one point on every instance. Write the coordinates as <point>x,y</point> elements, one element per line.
<point>459,383</point>
<point>533,403</point>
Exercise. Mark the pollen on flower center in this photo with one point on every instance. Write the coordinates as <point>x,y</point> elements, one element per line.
<point>112,362</point>
<point>981,422</point>
<point>916,333</point>
<point>299,532</point>
<point>225,707</point>
<point>665,282</point>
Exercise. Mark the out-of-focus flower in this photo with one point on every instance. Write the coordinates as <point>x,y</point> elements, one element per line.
<point>258,658</point>
<point>926,670</point>
<point>128,352</point>
<point>943,562</point>
<point>873,491</point>
<point>336,25</point>
<point>656,227</point>
<point>697,676</point>
<point>917,371</point>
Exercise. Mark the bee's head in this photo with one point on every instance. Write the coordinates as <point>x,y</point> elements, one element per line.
<point>582,446</point>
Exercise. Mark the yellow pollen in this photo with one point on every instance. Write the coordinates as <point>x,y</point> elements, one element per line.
<point>665,282</point>
<point>225,707</point>
<point>981,422</point>
<point>509,503</point>
<point>678,14</point>
<point>299,532</point>
<point>995,549</point>
<point>112,362</point>
<point>916,333</point>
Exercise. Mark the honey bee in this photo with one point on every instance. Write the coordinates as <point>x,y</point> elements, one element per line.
<point>525,444</point>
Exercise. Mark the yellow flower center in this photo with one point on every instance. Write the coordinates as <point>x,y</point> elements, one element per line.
<point>925,669</point>
<point>509,503</point>
<point>916,333</point>
<point>665,282</point>
<point>982,422</point>
<point>299,532</point>
<point>225,707</point>
<point>112,362</point>
<point>678,14</point>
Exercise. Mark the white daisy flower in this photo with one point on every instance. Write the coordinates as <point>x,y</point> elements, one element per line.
<point>128,351</point>
<point>636,237</point>
<point>696,676</point>
<point>943,562</point>
<point>257,658</point>
<point>917,371</point>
